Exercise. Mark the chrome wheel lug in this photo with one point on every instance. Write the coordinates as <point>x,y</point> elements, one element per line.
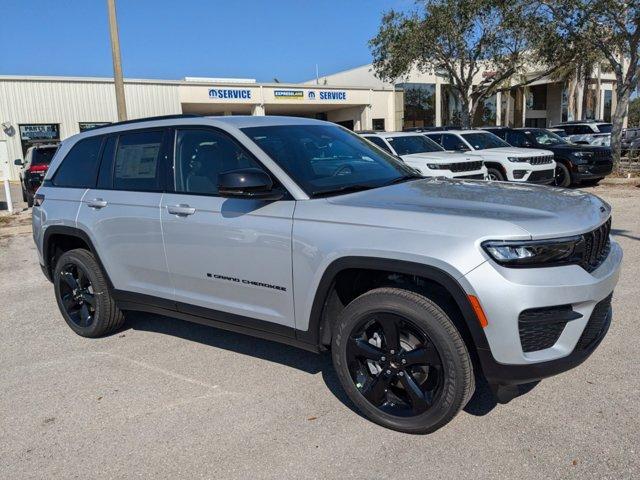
<point>388,372</point>
<point>383,358</point>
<point>401,374</point>
<point>392,352</point>
<point>404,361</point>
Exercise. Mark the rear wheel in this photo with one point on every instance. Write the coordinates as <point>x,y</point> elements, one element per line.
<point>563,177</point>
<point>24,194</point>
<point>495,174</point>
<point>401,360</point>
<point>29,200</point>
<point>83,296</point>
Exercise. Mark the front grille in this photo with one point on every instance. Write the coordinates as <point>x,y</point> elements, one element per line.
<point>597,325</point>
<point>540,328</point>
<point>539,160</point>
<point>595,246</point>
<point>541,176</point>
<point>465,166</point>
<point>602,154</point>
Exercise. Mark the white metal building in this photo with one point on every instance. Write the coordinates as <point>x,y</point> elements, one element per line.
<point>36,110</point>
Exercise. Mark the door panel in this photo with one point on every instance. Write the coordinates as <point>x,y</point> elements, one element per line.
<point>126,231</point>
<point>231,255</point>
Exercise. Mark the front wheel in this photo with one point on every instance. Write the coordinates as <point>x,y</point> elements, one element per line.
<point>562,177</point>
<point>495,175</point>
<point>401,360</point>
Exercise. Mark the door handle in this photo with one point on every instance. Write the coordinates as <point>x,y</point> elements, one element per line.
<point>181,210</point>
<point>97,203</point>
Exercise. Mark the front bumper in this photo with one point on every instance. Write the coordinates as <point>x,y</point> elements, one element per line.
<point>507,292</point>
<point>591,171</point>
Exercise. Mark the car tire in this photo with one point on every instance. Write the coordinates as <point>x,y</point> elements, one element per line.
<point>29,200</point>
<point>562,176</point>
<point>24,195</point>
<point>418,395</point>
<point>495,175</point>
<point>83,296</point>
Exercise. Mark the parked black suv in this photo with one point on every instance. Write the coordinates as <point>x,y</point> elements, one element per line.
<point>575,164</point>
<point>35,166</point>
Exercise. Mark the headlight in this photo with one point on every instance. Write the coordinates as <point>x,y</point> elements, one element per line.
<point>434,166</point>
<point>518,159</point>
<point>534,253</point>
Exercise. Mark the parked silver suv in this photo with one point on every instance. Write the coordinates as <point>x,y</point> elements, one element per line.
<point>300,231</point>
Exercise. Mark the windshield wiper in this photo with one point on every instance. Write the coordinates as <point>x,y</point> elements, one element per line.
<point>403,178</point>
<point>344,189</point>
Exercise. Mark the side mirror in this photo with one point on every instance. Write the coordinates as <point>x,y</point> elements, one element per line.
<point>251,183</point>
<point>18,162</point>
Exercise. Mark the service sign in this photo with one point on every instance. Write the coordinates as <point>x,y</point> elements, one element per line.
<point>327,95</point>
<point>230,93</point>
<point>288,94</point>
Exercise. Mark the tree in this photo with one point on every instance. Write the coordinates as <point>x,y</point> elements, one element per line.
<point>613,28</point>
<point>480,46</point>
<point>634,112</point>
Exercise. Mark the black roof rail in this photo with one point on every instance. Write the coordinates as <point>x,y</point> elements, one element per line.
<point>146,119</point>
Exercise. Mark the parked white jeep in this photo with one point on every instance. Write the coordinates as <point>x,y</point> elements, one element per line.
<point>429,158</point>
<point>503,161</point>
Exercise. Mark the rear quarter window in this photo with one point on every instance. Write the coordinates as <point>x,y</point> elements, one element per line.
<point>79,167</point>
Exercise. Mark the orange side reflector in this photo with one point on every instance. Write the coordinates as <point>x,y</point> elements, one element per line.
<point>477,308</point>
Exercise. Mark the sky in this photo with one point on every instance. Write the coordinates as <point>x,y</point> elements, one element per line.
<point>172,39</point>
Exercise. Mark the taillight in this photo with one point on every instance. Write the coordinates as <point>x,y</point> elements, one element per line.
<point>38,199</point>
<point>38,168</point>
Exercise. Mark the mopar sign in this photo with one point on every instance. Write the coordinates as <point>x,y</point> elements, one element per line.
<point>288,94</point>
<point>312,95</point>
<point>230,93</point>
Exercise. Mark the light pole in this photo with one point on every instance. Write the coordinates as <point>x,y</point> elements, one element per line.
<point>117,64</point>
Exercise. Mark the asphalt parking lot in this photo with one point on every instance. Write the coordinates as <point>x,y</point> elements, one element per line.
<point>169,399</point>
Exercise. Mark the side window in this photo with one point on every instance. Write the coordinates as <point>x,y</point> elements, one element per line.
<point>105,175</point>
<point>201,155</point>
<point>380,143</point>
<point>569,130</point>
<point>451,142</point>
<point>583,129</point>
<point>137,161</point>
<point>436,137</point>
<point>79,168</point>
<point>517,139</point>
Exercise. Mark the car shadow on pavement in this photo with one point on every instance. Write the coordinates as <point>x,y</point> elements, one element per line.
<point>623,233</point>
<point>481,403</point>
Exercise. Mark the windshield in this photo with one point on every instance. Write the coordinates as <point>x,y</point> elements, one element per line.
<point>483,141</point>
<point>604,127</point>
<point>408,144</point>
<point>325,159</point>
<point>42,156</point>
<point>546,137</point>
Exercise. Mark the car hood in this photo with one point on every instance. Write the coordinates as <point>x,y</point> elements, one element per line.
<point>448,156</point>
<point>478,206</point>
<point>516,151</point>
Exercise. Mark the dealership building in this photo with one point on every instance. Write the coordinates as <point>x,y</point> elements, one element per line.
<point>41,110</point>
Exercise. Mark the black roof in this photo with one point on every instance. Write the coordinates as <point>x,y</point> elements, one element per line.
<point>145,119</point>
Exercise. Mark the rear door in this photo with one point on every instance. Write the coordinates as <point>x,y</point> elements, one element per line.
<point>122,212</point>
<point>226,255</point>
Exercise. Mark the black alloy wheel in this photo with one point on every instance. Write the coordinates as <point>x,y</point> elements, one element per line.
<point>562,176</point>
<point>77,295</point>
<point>83,295</point>
<point>401,360</point>
<point>394,365</point>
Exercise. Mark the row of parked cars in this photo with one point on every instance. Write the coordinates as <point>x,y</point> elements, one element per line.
<point>534,155</point>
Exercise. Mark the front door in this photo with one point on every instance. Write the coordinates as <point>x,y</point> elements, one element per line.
<point>226,255</point>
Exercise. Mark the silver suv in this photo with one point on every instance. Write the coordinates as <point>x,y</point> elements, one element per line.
<point>300,231</point>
